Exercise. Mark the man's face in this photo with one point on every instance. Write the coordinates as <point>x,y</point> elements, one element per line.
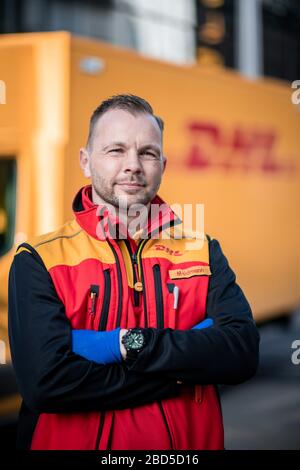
<point>125,161</point>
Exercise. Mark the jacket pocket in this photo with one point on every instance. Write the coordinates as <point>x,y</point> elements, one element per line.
<point>93,299</point>
<point>187,294</point>
<point>106,300</point>
<point>159,299</point>
<point>173,299</point>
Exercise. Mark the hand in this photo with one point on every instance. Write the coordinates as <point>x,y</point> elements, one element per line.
<point>122,348</point>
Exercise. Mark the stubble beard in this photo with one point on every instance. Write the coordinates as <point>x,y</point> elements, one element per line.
<point>106,192</point>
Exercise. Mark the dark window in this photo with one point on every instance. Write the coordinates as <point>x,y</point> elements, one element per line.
<point>7,203</point>
<point>89,17</point>
<point>215,31</point>
<point>281,37</point>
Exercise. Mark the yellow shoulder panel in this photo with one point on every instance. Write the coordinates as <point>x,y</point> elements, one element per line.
<point>70,245</point>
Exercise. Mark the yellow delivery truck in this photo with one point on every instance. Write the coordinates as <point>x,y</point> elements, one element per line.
<point>232,145</point>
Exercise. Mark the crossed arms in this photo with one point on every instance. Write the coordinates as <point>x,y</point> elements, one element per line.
<point>53,378</point>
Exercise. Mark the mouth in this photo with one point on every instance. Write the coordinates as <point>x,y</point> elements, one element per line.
<point>131,186</point>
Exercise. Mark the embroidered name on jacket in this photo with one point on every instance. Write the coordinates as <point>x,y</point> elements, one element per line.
<point>189,272</point>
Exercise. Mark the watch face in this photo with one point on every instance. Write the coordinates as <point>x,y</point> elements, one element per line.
<point>135,340</point>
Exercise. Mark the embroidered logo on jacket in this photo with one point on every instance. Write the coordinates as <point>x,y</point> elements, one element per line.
<point>167,250</point>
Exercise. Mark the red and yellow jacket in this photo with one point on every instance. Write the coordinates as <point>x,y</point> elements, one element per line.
<point>76,278</point>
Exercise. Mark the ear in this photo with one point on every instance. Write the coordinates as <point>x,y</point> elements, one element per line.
<point>84,160</point>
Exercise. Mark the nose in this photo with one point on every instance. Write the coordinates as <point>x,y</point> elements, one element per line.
<point>132,162</point>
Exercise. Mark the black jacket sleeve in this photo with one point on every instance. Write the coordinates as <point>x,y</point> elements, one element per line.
<point>225,353</point>
<point>51,378</point>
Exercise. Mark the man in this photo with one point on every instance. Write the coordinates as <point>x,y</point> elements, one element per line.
<point>106,323</point>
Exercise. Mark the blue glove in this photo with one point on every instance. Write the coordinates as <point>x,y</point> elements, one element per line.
<point>103,346</point>
<point>99,346</point>
<point>204,324</point>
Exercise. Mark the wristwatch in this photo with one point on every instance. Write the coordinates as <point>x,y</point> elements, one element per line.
<point>134,341</point>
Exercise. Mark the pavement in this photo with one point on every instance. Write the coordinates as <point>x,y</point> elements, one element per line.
<point>264,413</point>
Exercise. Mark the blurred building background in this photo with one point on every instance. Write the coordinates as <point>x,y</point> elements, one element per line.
<point>256,38</point>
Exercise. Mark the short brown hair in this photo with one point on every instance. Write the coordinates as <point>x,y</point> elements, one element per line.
<point>131,103</point>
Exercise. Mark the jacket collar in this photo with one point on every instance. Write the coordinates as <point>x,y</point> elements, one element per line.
<point>98,222</point>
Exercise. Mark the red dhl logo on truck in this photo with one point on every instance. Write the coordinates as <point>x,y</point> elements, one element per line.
<point>242,148</point>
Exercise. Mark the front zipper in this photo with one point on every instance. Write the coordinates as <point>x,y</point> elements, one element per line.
<point>136,259</point>
<point>119,275</point>
<point>106,301</point>
<point>120,286</point>
<point>134,263</point>
<point>158,297</point>
<point>166,424</point>
<point>141,276</point>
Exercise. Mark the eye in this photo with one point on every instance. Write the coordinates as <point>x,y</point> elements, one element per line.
<point>116,150</point>
<point>149,155</point>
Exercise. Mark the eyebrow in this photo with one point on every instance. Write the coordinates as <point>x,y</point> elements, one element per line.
<point>151,146</point>
<point>122,144</point>
<point>114,144</point>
